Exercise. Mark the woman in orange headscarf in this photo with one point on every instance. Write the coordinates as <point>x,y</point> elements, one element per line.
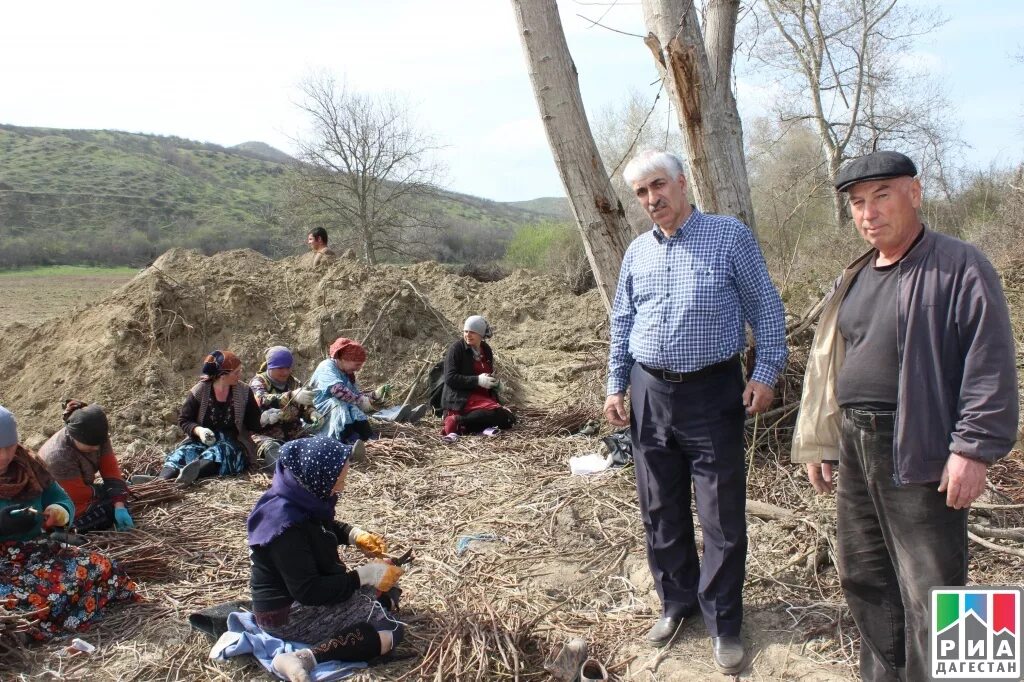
<point>338,397</point>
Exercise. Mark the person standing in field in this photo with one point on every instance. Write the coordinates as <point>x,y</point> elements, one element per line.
<point>686,290</point>
<point>911,388</point>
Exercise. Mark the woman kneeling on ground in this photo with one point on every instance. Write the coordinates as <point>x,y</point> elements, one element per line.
<point>285,404</point>
<point>58,590</point>
<point>218,418</point>
<point>338,397</point>
<point>301,591</point>
<point>470,397</point>
<point>74,455</point>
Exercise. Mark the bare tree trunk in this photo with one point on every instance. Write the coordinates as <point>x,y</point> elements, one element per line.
<point>599,215</point>
<point>698,72</point>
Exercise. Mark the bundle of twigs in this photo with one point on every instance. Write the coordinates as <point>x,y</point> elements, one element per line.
<point>563,422</point>
<point>154,493</point>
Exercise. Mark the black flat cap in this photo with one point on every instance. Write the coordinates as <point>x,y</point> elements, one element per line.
<point>874,166</point>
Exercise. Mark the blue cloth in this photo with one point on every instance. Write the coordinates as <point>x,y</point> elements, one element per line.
<point>305,474</point>
<point>245,637</point>
<point>338,414</point>
<point>227,452</point>
<point>682,301</point>
<point>279,357</point>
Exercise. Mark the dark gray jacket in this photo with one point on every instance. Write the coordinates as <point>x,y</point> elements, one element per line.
<point>958,377</point>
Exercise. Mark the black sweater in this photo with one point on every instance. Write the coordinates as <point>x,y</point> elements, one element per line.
<point>301,564</point>
<point>459,377</point>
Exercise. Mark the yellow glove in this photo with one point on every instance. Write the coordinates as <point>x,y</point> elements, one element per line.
<point>55,516</point>
<point>370,544</point>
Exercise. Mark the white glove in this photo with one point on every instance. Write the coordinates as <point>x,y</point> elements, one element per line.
<point>205,435</point>
<point>271,416</point>
<point>363,403</point>
<point>486,381</point>
<point>303,396</point>
<point>381,575</point>
<point>315,415</point>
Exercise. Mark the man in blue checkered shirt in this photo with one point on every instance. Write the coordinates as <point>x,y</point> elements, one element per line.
<point>686,291</point>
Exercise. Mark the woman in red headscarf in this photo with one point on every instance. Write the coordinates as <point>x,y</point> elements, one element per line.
<point>338,397</point>
<point>218,418</point>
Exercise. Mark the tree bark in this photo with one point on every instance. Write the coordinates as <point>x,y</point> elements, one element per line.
<point>698,72</point>
<point>599,215</point>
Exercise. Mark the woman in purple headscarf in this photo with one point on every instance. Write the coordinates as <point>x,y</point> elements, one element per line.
<point>300,589</point>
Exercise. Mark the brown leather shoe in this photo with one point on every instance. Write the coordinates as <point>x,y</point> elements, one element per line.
<point>729,654</point>
<point>593,671</point>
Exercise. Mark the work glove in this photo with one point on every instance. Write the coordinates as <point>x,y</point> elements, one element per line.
<point>315,416</point>
<point>363,403</point>
<point>379,574</point>
<point>381,392</point>
<point>55,516</point>
<point>486,381</point>
<point>271,416</point>
<point>370,544</point>
<point>206,436</point>
<point>303,396</point>
<point>122,519</point>
<point>17,521</point>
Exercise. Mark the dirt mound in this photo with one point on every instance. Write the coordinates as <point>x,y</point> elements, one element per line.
<point>138,350</point>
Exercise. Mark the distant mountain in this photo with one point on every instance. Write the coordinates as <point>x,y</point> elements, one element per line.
<point>263,151</point>
<point>555,207</point>
<point>115,198</point>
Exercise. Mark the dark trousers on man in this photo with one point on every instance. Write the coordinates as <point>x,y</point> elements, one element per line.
<point>894,543</point>
<point>683,432</point>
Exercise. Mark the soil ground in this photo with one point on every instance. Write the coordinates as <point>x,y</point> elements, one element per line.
<point>566,558</point>
<point>37,295</point>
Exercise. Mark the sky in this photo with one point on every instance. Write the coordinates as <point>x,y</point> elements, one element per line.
<point>228,72</point>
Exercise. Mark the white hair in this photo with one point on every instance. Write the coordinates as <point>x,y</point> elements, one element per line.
<point>651,161</point>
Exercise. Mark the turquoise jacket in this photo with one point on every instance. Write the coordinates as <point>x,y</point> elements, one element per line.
<point>53,494</point>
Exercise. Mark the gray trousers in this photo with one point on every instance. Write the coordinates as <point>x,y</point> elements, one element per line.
<point>894,543</point>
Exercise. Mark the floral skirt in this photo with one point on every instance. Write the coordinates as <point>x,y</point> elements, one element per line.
<point>227,452</point>
<point>66,589</point>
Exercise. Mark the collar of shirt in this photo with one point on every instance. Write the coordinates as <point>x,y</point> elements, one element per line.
<point>695,215</point>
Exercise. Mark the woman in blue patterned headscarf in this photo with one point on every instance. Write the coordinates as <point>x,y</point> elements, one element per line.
<point>301,591</point>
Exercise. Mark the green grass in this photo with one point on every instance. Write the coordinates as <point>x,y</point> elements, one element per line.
<point>69,271</point>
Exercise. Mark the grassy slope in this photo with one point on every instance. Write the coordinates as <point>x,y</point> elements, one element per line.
<point>107,197</point>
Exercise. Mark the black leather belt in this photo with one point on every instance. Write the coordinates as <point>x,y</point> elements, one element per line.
<point>870,420</point>
<point>681,377</point>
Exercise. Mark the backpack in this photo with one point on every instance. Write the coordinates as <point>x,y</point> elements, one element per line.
<point>435,388</point>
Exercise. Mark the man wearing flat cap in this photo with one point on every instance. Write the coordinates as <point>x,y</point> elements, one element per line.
<point>911,387</point>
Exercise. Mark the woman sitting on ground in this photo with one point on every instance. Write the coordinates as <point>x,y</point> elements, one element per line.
<point>57,591</point>
<point>218,417</point>
<point>338,397</point>
<point>74,455</point>
<point>285,404</point>
<point>470,397</point>
<point>301,592</point>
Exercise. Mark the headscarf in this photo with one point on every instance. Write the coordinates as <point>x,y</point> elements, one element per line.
<point>305,473</point>
<point>347,349</point>
<point>8,428</point>
<point>86,423</point>
<point>278,357</point>
<point>218,363</point>
<point>26,476</point>
<point>476,323</point>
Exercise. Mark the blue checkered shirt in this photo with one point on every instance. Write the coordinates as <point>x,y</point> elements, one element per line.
<point>682,302</point>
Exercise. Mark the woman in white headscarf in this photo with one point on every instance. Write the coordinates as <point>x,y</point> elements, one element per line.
<point>470,397</point>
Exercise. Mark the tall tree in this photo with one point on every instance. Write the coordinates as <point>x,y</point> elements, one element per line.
<point>697,68</point>
<point>598,212</point>
<point>364,168</point>
<point>844,70</point>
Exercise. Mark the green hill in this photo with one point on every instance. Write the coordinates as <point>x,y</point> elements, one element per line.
<point>114,198</point>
